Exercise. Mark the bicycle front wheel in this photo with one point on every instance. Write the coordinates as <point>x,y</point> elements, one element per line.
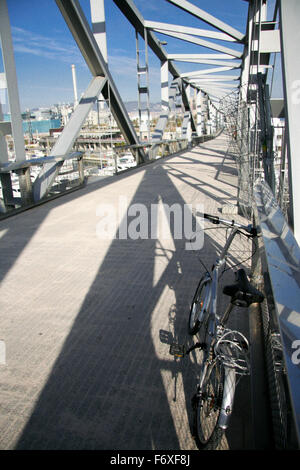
<point>198,307</point>
<point>207,405</point>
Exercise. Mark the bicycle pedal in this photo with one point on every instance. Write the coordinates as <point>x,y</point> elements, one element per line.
<point>177,350</point>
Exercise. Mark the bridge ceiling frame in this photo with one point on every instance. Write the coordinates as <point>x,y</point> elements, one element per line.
<point>226,59</point>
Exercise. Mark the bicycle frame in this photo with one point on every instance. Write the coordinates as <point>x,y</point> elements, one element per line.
<point>213,280</point>
<point>214,320</point>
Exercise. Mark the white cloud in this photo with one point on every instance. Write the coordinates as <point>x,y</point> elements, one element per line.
<point>27,42</point>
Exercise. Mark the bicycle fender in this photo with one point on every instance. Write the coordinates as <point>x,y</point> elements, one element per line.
<point>228,397</point>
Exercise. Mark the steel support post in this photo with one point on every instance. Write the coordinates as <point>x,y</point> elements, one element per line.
<point>7,191</point>
<point>208,121</point>
<point>213,119</point>
<point>99,32</point>
<point>12,83</point>
<point>25,186</point>
<point>81,169</point>
<point>98,25</point>
<point>290,40</point>
<point>163,119</point>
<point>164,77</point>
<point>186,126</point>
<point>143,83</point>
<point>3,132</point>
<point>147,83</point>
<point>199,105</point>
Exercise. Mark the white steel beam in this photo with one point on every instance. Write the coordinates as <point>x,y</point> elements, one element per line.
<point>193,57</point>
<point>245,68</point>
<point>4,129</point>
<point>98,25</point>
<point>164,77</point>
<point>186,127</point>
<point>216,91</point>
<point>290,40</point>
<point>199,106</point>
<point>203,43</point>
<point>213,82</point>
<point>155,25</point>
<point>208,71</point>
<point>210,88</point>
<point>219,86</point>
<point>163,119</point>
<point>221,63</point>
<point>204,16</point>
<point>214,77</point>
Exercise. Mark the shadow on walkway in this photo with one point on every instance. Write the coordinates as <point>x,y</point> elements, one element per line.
<point>113,385</point>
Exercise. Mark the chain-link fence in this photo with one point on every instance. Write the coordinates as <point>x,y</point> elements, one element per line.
<point>257,143</point>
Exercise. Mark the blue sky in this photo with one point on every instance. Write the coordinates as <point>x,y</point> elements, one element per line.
<point>45,49</point>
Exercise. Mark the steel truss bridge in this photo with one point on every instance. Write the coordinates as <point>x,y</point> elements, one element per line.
<point>228,96</point>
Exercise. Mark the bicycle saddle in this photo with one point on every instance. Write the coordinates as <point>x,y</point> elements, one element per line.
<point>242,293</point>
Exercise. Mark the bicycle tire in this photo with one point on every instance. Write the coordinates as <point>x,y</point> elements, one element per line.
<point>198,301</point>
<point>207,408</point>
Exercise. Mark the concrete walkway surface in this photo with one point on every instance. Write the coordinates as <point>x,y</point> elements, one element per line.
<point>86,321</point>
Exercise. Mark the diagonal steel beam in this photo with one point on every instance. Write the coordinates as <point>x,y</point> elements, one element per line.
<point>193,57</point>
<point>186,104</point>
<point>205,86</point>
<point>66,140</point>
<point>225,78</point>
<point>232,65</point>
<point>215,87</point>
<point>216,93</point>
<point>156,25</point>
<point>203,15</point>
<point>215,82</point>
<point>216,70</point>
<point>203,43</point>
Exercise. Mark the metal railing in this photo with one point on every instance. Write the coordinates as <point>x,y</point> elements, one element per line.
<point>264,196</point>
<point>277,269</point>
<point>157,149</point>
<point>17,180</point>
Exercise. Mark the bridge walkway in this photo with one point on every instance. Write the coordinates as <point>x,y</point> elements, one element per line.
<point>86,320</point>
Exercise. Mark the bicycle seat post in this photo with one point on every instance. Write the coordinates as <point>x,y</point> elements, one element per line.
<point>224,318</point>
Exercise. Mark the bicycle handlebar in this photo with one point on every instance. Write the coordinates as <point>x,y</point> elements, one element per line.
<point>231,223</point>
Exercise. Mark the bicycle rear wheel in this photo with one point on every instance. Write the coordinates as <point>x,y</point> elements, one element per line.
<point>198,307</point>
<point>207,407</point>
